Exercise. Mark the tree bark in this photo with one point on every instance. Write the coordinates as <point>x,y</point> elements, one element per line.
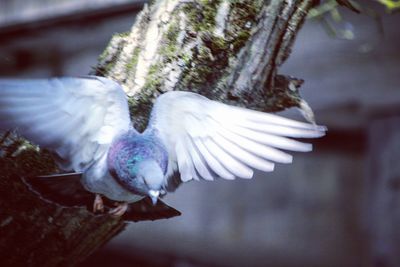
<point>229,51</point>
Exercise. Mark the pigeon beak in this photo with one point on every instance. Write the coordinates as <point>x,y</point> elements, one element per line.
<point>154,195</point>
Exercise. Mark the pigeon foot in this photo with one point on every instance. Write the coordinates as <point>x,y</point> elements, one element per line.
<point>98,204</point>
<point>119,210</point>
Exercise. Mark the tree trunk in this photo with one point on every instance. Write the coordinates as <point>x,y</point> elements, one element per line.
<point>226,50</point>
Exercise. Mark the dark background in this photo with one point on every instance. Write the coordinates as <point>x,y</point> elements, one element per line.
<point>326,209</point>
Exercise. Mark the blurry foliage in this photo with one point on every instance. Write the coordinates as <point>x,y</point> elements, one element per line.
<point>391,5</point>
<point>330,16</point>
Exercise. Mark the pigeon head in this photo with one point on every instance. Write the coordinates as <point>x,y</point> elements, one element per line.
<point>138,163</point>
<point>146,177</point>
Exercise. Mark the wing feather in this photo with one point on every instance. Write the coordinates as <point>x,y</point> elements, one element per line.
<point>77,118</point>
<point>254,147</point>
<point>198,161</point>
<point>272,140</point>
<point>185,164</point>
<point>232,165</point>
<point>205,138</point>
<point>245,156</point>
<point>212,162</point>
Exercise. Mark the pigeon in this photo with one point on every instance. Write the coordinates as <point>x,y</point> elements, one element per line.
<point>85,123</point>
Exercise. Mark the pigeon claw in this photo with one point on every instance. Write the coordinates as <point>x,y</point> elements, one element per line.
<point>119,210</point>
<point>98,204</point>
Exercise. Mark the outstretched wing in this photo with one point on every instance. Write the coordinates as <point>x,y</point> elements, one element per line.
<point>77,118</point>
<point>207,139</point>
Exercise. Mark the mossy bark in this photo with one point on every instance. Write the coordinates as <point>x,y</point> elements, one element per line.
<point>226,50</point>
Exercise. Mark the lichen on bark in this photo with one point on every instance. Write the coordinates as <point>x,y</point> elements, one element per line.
<point>234,62</point>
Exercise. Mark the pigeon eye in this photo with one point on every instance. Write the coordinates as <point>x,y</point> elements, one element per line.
<point>131,162</point>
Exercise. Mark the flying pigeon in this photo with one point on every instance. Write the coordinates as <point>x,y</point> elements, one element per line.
<point>85,123</point>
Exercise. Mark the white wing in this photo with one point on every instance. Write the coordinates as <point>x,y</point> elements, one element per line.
<point>77,118</point>
<point>207,139</point>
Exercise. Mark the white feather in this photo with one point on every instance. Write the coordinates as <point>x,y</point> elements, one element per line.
<point>185,165</point>
<point>75,117</point>
<point>214,164</point>
<point>227,161</point>
<point>244,156</point>
<point>198,161</point>
<point>227,140</point>
<point>253,147</point>
<point>272,140</point>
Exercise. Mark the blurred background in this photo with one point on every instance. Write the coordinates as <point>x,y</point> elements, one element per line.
<point>337,206</point>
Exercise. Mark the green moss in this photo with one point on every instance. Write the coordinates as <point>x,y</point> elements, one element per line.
<point>104,69</point>
<point>244,14</point>
<point>172,32</point>
<point>217,45</point>
<point>169,49</point>
<point>208,66</point>
<point>241,39</point>
<point>154,79</point>
<point>169,52</point>
<point>209,12</point>
<point>208,61</point>
<point>105,64</point>
<point>202,14</point>
<point>106,60</point>
<point>131,65</point>
<point>191,13</point>
<point>140,107</point>
<point>186,59</point>
<point>103,56</point>
<point>122,34</point>
<point>211,60</point>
